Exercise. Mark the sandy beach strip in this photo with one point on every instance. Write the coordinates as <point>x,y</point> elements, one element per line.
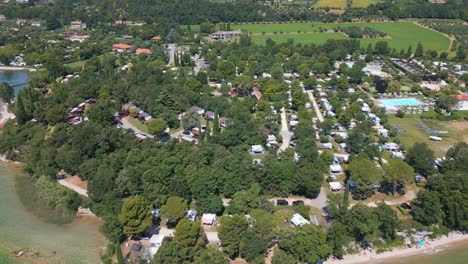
<point>437,245</point>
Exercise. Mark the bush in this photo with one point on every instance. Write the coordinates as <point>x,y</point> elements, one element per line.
<point>329,179</point>
<point>324,139</point>
<point>400,113</point>
<point>402,210</point>
<point>421,184</point>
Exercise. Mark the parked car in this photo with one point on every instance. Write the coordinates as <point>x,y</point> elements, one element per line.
<point>298,202</point>
<point>282,202</point>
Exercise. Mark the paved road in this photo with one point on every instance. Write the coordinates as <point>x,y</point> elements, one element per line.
<point>316,108</point>
<point>127,125</point>
<point>172,48</point>
<point>285,133</point>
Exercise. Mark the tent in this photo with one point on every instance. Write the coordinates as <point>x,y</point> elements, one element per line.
<point>335,186</point>
<point>298,220</point>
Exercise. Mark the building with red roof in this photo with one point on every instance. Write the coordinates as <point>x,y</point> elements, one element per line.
<point>142,51</point>
<point>121,47</point>
<point>462,102</point>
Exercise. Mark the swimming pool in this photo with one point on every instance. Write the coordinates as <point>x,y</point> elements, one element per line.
<point>393,104</point>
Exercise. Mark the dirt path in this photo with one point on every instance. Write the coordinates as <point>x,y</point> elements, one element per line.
<point>73,187</point>
<point>316,108</point>
<point>285,133</point>
<point>410,195</point>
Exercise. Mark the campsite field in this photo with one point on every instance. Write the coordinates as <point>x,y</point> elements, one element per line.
<point>400,34</point>
<point>457,131</point>
<point>340,4</point>
<point>363,3</point>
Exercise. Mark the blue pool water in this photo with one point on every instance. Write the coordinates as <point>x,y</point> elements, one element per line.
<point>392,104</point>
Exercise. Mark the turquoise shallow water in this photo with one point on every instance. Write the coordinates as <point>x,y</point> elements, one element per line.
<point>19,79</point>
<point>77,242</point>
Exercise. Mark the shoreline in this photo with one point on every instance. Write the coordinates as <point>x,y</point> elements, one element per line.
<point>439,245</point>
<point>14,68</point>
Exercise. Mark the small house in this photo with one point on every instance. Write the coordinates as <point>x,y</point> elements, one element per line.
<point>209,219</point>
<point>335,186</point>
<point>298,220</point>
<point>2,17</point>
<point>391,146</point>
<point>210,115</point>
<point>256,150</point>
<point>223,121</point>
<point>198,110</point>
<point>191,215</point>
<point>256,93</point>
<point>77,25</point>
<point>156,38</point>
<point>335,169</point>
<point>78,38</point>
<point>383,132</point>
<point>20,22</point>
<point>121,48</point>
<point>398,155</point>
<point>326,146</point>
<point>462,102</point>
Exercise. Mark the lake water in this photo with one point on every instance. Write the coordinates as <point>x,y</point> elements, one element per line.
<point>76,242</point>
<point>19,79</point>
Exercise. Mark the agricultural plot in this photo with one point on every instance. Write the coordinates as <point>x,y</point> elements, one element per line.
<point>363,3</point>
<point>339,4</point>
<point>400,34</point>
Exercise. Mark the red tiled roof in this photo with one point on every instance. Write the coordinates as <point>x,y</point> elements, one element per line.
<point>462,97</point>
<point>142,51</point>
<point>121,46</point>
<point>156,38</point>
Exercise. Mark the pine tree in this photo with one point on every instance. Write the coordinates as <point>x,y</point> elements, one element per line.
<point>215,124</point>
<point>419,51</point>
<point>409,52</point>
<point>21,116</point>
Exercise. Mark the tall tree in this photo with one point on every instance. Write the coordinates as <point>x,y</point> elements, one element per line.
<point>421,158</point>
<point>397,172</point>
<point>306,243</point>
<point>7,93</point>
<point>419,52</point>
<point>135,216</point>
<point>231,232</point>
<point>175,208</point>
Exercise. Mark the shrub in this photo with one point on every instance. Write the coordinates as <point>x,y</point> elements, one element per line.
<point>421,184</point>
<point>329,179</point>
<point>400,113</point>
<point>402,210</point>
<point>324,139</point>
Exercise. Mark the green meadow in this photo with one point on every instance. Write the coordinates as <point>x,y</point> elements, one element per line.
<point>363,3</point>
<point>400,34</point>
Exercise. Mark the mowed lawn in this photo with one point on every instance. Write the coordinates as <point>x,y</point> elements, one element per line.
<point>363,3</point>
<point>340,4</point>
<point>414,134</point>
<point>400,34</point>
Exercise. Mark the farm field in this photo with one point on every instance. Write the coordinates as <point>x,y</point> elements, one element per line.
<point>413,134</point>
<point>401,34</point>
<point>363,3</point>
<point>340,4</point>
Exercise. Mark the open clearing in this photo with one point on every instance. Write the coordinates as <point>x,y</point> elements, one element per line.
<point>363,3</point>
<point>457,131</point>
<point>401,34</point>
<point>331,3</point>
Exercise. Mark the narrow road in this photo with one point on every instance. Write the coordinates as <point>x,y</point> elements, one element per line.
<point>127,125</point>
<point>285,133</point>
<point>316,108</point>
<point>73,187</point>
<point>172,49</point>
<point>408,196</point>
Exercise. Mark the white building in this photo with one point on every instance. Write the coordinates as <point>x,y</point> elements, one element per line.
<point>77,25</point>
<point>209,219</point>
<point>335,186</point>
<point>298,220</point>
<point>462,100</point>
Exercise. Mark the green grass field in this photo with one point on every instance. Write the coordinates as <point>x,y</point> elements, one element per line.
<point>414,134</point>
<point>363,3</point>
<point>340,4</point>
<point>401,34</point>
